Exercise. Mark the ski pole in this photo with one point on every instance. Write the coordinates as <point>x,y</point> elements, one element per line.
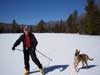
<point>40,53</point>
<point>44,55</point>
<point>19,50</point>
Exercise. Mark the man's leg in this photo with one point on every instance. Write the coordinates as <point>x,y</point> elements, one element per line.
<point>26,60</point>
<point>36,61</point>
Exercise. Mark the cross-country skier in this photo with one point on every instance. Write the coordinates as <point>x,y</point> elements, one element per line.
<point>29,45</point>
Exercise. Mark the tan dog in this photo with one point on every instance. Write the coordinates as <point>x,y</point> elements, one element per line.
<point>80,58</point>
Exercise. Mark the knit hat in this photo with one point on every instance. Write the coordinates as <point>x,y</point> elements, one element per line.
<point>26,28</point>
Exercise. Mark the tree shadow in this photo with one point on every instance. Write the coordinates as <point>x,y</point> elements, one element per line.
<point>88,67</point>
<point>52,68</point>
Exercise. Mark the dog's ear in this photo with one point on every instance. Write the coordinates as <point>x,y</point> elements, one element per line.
<point>79,51</point>
<point>76,50</point>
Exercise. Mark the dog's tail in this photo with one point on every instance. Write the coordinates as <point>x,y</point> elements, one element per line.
<point>90,58</point>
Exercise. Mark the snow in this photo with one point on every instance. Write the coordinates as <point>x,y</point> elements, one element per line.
<point>60,47</point>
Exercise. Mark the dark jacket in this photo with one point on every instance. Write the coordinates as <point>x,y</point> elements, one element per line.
<point>22,39</point>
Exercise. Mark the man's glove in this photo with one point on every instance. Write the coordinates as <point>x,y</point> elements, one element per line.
<point>13,48</point>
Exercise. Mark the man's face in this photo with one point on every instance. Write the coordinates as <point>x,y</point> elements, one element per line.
<point>25,31</point>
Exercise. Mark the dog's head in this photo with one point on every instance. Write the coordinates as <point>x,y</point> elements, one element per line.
<point>77,52</point>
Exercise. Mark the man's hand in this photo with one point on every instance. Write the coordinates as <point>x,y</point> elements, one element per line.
<point>13,48</point>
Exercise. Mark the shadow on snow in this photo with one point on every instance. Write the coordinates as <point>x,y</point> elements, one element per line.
<point>52,68</point>
<point>88,67</point>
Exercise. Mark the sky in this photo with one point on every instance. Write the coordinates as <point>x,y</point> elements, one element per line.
<point>32,11</point>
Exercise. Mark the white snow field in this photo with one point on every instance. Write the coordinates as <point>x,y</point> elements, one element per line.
<point>60,47</point>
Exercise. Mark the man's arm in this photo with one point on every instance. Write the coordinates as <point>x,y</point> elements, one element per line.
<point>35,41</point>
<point>18,41</point>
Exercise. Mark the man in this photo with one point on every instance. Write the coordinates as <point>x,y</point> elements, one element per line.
<point>29,45</point>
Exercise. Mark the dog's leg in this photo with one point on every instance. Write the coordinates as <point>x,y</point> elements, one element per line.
<point>86,64</point>
<point>82,64</point>
<point>75,65</point>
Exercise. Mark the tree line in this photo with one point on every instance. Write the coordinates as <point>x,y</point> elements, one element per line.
<point>87,23</point>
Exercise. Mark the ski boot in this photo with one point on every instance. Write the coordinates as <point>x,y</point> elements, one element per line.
<point>26,72</point>
<point>42,71</point>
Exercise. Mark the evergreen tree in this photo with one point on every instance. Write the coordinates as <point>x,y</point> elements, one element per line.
<point>1,29</point>
<point>92,18</point>
<point>14,26</point>
<point>41,26</point>
<point>62,27</point>
<point>72,22</point>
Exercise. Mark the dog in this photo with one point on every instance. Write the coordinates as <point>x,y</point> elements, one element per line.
<point>81,58</point>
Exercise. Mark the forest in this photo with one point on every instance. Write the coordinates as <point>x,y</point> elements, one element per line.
<point>86,23</point>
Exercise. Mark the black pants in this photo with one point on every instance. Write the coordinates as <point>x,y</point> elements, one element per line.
<point>30,52</point>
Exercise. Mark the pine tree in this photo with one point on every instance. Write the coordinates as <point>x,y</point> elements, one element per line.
<point>15,27</point>
<point>92,18</point>
<point>41,26</point>
<point>72,22</point>
<point>1,29</point>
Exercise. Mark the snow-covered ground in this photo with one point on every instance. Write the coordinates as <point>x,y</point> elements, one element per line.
<point>59,47</point>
